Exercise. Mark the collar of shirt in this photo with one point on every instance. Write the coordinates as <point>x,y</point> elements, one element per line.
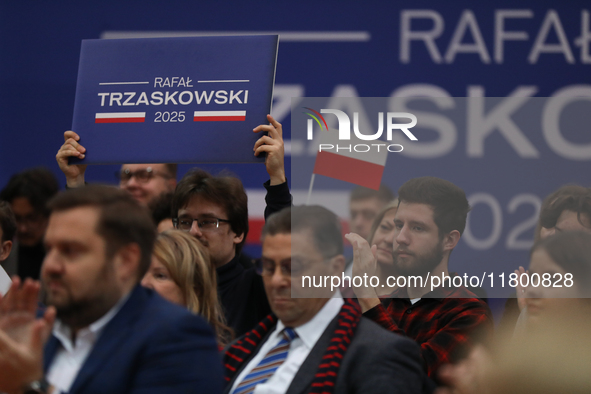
<point>91,333</point>
<point>311,331</point>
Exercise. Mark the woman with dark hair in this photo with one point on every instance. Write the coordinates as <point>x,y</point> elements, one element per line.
<point>562,262</point>
<point>566,209</point>
<point>182,273</point>
<point>556,324</point>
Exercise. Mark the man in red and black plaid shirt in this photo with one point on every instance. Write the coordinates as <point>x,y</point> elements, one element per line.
<point>445,322</point>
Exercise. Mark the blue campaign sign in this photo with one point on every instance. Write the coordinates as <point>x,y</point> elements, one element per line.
<point>173,100</point>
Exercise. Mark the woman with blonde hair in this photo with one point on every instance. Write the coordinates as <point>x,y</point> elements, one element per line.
<point>182,273</point>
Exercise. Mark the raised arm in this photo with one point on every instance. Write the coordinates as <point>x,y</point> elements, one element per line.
<point>272,145</point>
<point>71,148</point>
<point>278,195</point>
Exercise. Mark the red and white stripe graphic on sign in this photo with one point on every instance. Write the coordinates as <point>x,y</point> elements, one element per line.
<point>120,117</point>
<point>219,116</point>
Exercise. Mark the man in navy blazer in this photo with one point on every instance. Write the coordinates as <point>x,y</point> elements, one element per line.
<point>110,335</point>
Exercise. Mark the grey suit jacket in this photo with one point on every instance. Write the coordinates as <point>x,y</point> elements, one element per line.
<point>377,361</point>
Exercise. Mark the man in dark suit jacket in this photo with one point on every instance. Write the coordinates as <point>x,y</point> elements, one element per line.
<point>110,334</point>
<point>331,347</point>
<point>150,345</point>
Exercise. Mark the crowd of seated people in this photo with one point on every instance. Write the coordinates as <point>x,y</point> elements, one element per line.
<point>145,288</point>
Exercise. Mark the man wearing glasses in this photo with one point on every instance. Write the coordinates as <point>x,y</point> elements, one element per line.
<point>315,341</point>
<point>214,209</point>
<point>145,182</point>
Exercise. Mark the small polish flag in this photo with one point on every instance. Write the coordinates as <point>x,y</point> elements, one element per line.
<point>120,117</point>
<point>346,164</point>
<point>219,116</point>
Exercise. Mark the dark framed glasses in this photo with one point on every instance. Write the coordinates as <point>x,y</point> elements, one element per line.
<point>205,224</point>
<point>142,176</point>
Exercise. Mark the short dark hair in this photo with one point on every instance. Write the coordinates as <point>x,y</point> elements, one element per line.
<point>38,185</point>
<point>384,194</point>
<point>223,189</point>
<point>122,220</point>
<point>7,222</point>
<point>573,198</point>
<point>571,250</point>
<point>449,202</point>
<point>172,169</point>
<point>161,208</point>
<point>325,226</point>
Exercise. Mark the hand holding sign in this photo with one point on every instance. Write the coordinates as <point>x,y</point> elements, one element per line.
<point>71,148</point>
<point>272,145</point>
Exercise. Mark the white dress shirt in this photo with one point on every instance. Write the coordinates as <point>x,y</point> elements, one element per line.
<point>299,348</point>
<point>71,356</point>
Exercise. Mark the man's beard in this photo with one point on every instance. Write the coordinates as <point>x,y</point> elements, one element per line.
<point>81,312</point>
<point>419,265</point>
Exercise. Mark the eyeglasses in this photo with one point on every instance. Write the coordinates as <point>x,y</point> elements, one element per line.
<point>206,224</point>
<point>266,267</point>
<point>142,176</point>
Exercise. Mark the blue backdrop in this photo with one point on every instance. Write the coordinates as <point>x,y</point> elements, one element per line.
<point>331,49</point>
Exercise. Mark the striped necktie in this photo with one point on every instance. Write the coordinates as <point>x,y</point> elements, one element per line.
<point>268,365</point>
